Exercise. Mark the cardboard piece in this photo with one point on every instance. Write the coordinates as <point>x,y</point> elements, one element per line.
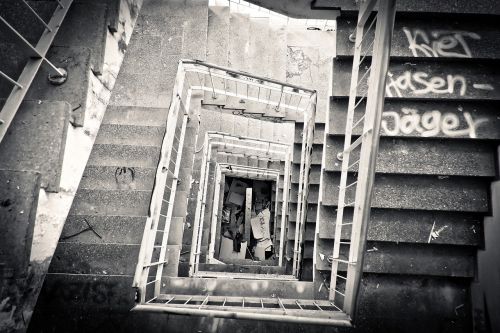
<point>226,250</point>
<point>260,225</point>
<point>235,198</point>
<point>237,193</point>
<point>260,253</point>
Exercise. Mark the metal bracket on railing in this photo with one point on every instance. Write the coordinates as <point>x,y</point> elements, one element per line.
<point>214,95</point>
<point>277,108</point>
<point>58,78</point>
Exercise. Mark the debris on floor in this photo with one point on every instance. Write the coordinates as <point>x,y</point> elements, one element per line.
<point>246,221</point>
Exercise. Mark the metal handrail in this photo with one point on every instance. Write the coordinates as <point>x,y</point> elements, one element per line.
<point>347,297</point>
<point>243,73</point>
<point>23,83</point>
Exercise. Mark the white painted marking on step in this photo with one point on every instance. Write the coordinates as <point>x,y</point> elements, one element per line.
<point>483,86</point>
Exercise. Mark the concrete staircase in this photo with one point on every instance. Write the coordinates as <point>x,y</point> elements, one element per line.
<point>431,190</point>
<point>47,146</point>
<point>101,238</point>
<point>432,185</point>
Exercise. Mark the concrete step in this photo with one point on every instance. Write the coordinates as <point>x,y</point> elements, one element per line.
<point>277,62</point>
<point>407,7</point>
<point>426,118</point>
<point>422,156</point>
<point>76,61</point>
<point>181,202</point>
<point>309,231</point>
<point>84,25</point>
<point>249,269</point>
<point>316,155</point>
<point>480,43</point>
<point>267,130</point>
<point>111,202</point>
<point>135,115</point>
<point>260,51</point>
<point>81,258</point>
<point>319,133</point>
<point>47,121</point>
<point>218,35</point>
<point>311,212</point>
<point>176,231</point>
<point>411,259</point>
<point>464,86</point>
<point>19,17</point>
<point>117,178</point>
<point>240,287</point>
<point>113,13</point>
<point>105,259</point>
<point>312,197</point>
<point>108,229</point>
<point>398,289</point>
<point>238,41</point>
<point>227,122</point>
<point>391,225</point>
<point>465,194</point>
<point>314,175</point>
<point>19,193</point>
<point>124,155</point>
<point>130,135</point>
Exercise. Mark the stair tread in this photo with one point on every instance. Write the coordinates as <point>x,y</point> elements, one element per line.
<point>461,87</point>
<point>135,115</point>
<point>421,156</point>
<point>48,121</point>
<point>474,119</point>
<point>117,177</point>
<point>111,202</point>
<point>404,258</point>
<point>135,135</point>
<point>409,226</point>
<point>111,229</point>
<point>240,287</point>
<point>467,194</point>
<point>125,155</point>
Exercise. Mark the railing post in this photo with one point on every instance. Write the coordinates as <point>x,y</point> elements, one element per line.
<point>369,151</point>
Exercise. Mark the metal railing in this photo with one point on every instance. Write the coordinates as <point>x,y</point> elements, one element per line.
<point>348,251</point>
<point>36,55</point>
<point>281,98</point>
<point>322,312</point>
<point>244,145</point>
<point>303,191</point>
